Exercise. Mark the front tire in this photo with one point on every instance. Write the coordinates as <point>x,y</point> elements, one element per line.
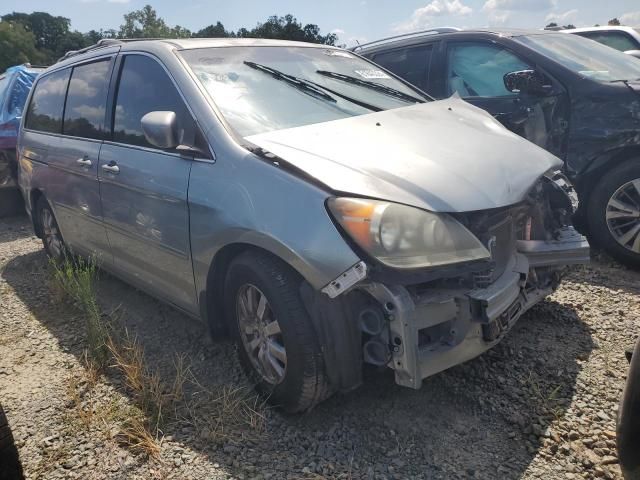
<point>614,213</point>
<point>277,343</point>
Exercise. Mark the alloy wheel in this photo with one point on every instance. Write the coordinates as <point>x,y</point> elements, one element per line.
<point>260,333</point>
<point>623,215</point>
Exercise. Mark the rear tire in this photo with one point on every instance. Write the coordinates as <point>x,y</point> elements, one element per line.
<point>277,343</point>
<point>614,213</point>
<point>10,468</point>
<point>51,236</point>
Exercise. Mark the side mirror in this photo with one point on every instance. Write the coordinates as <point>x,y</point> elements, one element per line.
<point>526,81</point>
<point>633,53</point>
<point>161,129</point>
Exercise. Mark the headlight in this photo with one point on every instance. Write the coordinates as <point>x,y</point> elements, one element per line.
<point>405,237</point>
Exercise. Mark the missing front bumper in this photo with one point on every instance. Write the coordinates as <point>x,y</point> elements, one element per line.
<point>441,328</point>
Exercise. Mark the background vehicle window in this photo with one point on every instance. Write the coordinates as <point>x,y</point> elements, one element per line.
<point>4,84</point>
<point>145,87</point>
<point>86,100</point>
<point>410,63</point>
<point>477,69</point>
<point>618,40</point>
<point>47,102</point>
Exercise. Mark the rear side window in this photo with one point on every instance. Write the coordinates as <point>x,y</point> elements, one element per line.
<point>47,102</point>
<point>87,99</point>
<point>144,87</point>
<point>618,40</point>
<point>411,63</point>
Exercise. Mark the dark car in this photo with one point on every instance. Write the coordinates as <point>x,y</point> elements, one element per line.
<point>15,84</point>
<point>576,98</point>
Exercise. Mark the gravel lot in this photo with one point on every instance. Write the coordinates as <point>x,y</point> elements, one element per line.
<point>542,404</point>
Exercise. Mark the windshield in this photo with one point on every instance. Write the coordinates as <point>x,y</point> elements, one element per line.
<point>585,57</point>
<point>260,89</point>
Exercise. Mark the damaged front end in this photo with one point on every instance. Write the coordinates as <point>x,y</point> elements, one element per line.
<point>423,321</point>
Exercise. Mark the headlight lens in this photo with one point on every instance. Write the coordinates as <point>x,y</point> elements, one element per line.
<point>405,237</point>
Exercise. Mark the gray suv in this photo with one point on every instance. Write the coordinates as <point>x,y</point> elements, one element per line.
<point>323,212</point>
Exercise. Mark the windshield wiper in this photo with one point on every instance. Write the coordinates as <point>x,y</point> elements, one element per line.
<point>309,87</point>
<point>291,80</point>
<point>392,92</point>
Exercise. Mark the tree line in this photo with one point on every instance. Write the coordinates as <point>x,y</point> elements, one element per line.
<point>40,38</point>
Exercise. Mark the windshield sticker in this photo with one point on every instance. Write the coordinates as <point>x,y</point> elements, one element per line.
<point>370,74</point>
<point>338,53</point>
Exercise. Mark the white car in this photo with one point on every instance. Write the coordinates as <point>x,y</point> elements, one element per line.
<point>625,39</point>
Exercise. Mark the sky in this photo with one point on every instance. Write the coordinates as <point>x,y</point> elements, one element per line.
<point>352,20</point>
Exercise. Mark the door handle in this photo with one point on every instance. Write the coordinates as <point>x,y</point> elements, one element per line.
<point>111,167</point>
<point>84,161</point>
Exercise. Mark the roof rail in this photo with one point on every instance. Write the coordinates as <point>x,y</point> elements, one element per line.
<point>433,31</point>
<point>103,43</point>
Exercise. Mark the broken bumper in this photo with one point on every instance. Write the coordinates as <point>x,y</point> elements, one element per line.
<point>437,329</point>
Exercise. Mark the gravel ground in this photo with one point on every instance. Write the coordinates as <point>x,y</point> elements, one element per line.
<point>542,404</point>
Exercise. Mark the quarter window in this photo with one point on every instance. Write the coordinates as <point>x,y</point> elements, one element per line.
<point>47,102</point>
<point>477,69</point>
<point>145,87</point>
<point>411,63</point>
<point>86,100</point>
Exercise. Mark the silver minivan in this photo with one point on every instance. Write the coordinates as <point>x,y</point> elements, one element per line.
<point>319,209</point>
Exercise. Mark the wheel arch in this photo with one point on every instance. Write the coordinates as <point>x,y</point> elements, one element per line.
<point>211,300</point>
<point>595,172</point>
<point>604,163</point>
<point>34,197</point>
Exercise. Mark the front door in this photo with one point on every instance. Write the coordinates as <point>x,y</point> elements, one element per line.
<point>144,189</point>
<point>475,70</point>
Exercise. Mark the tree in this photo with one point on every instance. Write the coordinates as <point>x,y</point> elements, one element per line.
<point>613,22</point>
<point>552,25</point>
<point>17,45</point>
<point>47,29</point>
<point>145,23</point>
<point>569,27</point>
<point>213,31</point>
<point>288,28</point>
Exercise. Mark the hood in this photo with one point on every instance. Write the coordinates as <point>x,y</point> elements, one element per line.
<point>444,156</point>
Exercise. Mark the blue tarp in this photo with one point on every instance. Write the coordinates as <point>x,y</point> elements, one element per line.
<point>14,89</point>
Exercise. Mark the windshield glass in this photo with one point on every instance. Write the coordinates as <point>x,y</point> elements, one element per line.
<point>585,57</point>
<point>259,89</point>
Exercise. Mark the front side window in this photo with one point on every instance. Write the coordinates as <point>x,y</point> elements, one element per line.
<point>618,40</point>
<point>410,63</point>
<point>587,59</point>
<point>478,69</point>
<point>87,99</point>
<point>261,89</point>
<point>144,87</point>
<point>47,102</point>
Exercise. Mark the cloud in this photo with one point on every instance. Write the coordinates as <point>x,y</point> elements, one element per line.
<point>337,31</point>
<point>630,18</point>
<point>561,17</point>
<point>497,18</point>
<point>423,17</point>
<point>522,5</point>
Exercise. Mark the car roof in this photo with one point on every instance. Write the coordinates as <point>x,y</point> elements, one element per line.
<point>191,43</point>
<point>620,28</point>
<point>113,45</point>
<point>502,32</point>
